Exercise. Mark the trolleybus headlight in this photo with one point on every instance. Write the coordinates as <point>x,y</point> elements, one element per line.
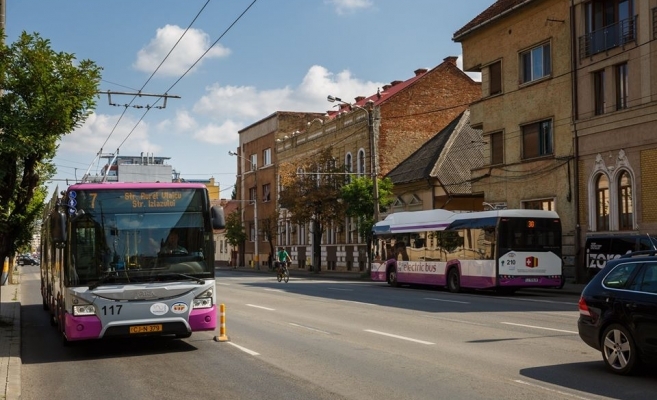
<point>204,300</point>
<point>87,309</point>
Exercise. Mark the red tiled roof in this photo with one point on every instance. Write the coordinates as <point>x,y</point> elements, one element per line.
<point>499,8</point>
<point>387,91</point>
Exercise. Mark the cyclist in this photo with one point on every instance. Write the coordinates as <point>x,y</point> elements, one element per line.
<point>282,257</point>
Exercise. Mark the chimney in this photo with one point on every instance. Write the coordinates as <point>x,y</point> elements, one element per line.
<point>386,87</point>
<point>393,83</point>
<point>359,98</point>
<point>451,59</point>
<point>420,71</point>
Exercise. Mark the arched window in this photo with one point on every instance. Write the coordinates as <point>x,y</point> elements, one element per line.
<point>348,166</point>
<point>361,162</point>
<point>602,203</point>
<point>625,207</point>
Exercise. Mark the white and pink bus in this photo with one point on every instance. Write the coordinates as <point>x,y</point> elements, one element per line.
<point>109,266</point>
<point>502,249</point>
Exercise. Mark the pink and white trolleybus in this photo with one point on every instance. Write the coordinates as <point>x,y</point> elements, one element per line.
<point>110,266</point>
<point>501,249</point>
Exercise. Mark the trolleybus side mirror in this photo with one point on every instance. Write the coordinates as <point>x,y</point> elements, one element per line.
<point>218,220</point>
<point>58,228</point>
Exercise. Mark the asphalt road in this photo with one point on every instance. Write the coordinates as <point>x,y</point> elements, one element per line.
<point>324,339</point>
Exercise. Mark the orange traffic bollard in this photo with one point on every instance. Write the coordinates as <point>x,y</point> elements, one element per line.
<point>222,325</point>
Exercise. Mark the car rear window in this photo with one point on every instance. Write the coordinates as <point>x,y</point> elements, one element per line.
<point>619,276</point>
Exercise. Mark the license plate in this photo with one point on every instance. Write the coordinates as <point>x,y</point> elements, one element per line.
<point>146,328</point>
<point>531,279</point>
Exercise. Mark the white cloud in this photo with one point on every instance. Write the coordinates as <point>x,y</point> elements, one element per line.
<point>191,47</point>
<point>476,76</point>
<point>96,129</point>
<point>347,6</point>
<point>225,133</point>
<point>248,104</point>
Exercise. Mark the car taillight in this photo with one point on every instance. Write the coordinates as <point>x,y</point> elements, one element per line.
<point>583,308</point>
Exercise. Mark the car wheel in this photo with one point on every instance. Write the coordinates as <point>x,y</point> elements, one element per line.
<point>618,350</point>
<point>453,280</point>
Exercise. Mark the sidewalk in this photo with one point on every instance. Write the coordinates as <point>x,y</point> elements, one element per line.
<point>569,287</point>
<point>10,339</point>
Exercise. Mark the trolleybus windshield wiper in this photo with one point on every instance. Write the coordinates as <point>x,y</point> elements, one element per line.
<point>193,278</point>
<point>101,280</point>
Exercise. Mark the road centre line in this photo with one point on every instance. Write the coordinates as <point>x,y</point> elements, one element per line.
<point>547,389</point>
<point>344,290</point>
<point>309,328</point>
<point>542,301</point>
<point>398,337</point>
<point>446,301</point>
<point>244,349</point>
<point>538,327</point>
<point>261,307</point>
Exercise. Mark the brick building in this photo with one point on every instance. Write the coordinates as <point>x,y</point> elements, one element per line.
<point>371,136</point>
<point>255,185</point>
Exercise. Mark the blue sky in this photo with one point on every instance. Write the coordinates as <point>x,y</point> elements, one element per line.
<point>281,55</point>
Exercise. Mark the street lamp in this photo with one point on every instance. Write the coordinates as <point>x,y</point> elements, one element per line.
<point>255,202</point>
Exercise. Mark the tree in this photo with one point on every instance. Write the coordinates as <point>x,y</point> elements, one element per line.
<point>269,228</point>
<point>235,234</point>
<point>359,197</point>
<point>45,95</point>
<point>311,191</point>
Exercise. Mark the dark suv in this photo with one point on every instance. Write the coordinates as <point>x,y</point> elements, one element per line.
<point>618,312</point>
<point>26,260</point>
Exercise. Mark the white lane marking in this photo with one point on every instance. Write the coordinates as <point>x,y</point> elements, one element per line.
<point>244,349</point>
<point>309,328</point>
<point>398,337</point>
<point>261,307</point>
<point>358,302</point>
<point>273,290</point>
<point>538,327</point>
<point>460,321</point>
<point>547,389</point>
<point>344,290</point>
<point>446,301</point>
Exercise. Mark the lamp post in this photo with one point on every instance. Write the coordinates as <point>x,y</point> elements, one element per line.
<point>256,256</point>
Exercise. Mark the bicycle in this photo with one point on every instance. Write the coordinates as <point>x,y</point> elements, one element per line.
<point>283,273</point>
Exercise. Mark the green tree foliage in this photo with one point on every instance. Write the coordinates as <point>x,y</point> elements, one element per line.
<point>235,234</point>
<point>358,194</point>
<point>269,228</point>
<point>311,191</point>
<point>45,95</point>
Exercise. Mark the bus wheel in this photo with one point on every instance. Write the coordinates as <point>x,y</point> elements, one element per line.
<point>392,277</point>
<point>453,280</point>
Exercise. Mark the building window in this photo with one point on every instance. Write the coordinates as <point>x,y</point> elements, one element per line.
<point>625,207</point>
<point>495,78</point>
<point>348,167</point>
<point>537,139</point>
<point>252,231</point>
<point>361,162</point>
<point>599,92</point>
<point>608,24</point>
<point>266,192</point>
<point>535,63</point>
<point>602,203</point>
<point>252,194</point>
<point>621,86</point>
<point>266,157</point>
<point>496,148</point>
<point>546,205</point>
<point>254,161</point>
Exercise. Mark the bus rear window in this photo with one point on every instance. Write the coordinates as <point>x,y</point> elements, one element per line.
<point>529,233</point>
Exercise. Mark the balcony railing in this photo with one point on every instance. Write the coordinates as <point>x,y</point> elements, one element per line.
<point>607,38</point>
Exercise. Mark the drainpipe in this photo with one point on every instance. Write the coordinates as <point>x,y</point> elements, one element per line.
<point>574,116</point>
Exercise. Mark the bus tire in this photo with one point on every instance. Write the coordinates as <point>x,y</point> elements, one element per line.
<point>392,277</point>
<point>453,280</point>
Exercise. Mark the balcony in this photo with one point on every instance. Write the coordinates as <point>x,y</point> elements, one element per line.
<point>607,38</point>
